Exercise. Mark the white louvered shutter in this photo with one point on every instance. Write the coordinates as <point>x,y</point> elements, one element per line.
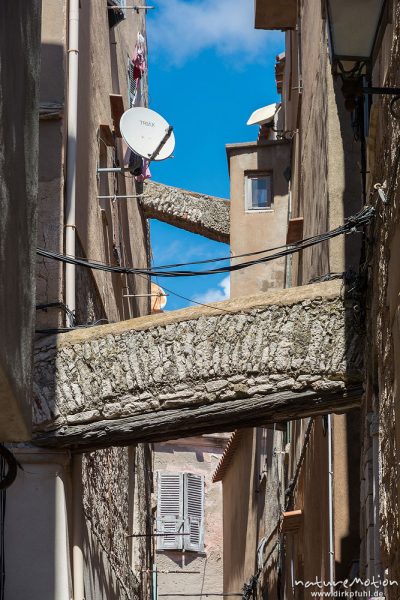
<point>170,510</point>
<point>194,512</point>
<point>263,453</point>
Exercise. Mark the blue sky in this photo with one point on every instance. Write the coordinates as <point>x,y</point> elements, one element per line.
<point>208,70</point>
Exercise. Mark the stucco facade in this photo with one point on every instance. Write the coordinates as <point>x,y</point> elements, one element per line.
<point>320,456</point>
<point>255,230</point>
<point>325,188</point>
<point>84,506</point>
<point>189,572</point>
<point>252,468</point>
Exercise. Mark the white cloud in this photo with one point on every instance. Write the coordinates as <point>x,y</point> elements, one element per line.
<point>182,29</point>
<point>217,294</point>
<point>180,251</point>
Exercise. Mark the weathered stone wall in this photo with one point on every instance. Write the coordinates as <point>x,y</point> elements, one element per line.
<point>383,349</point>
<point>279,345</point>
<point>89,307</point>
<point>105,476</point>
<point>198,213</point>
<point>111,515</point>
<point>19,112</point>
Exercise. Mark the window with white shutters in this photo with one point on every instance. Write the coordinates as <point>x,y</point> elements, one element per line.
<point>262,434</point>
<point>170,510</point>
<point>194,512</point>
<point>180,510</point>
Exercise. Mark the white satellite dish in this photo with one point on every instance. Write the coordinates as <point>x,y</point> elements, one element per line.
<point>147,133</point>
<point>159,298</point>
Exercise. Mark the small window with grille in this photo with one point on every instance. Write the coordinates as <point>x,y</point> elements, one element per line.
<point>132,87</point>
<point>180,511</point>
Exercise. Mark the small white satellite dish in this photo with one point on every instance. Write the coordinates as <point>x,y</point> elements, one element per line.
<point>147,133</point>
<point>159,298</point>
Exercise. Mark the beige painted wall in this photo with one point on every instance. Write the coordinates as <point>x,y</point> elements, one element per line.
<point>242,521</point>
<point>326,188</point>
<point>255,230</point>
<point>326,180</point>
<point>194,455</point>
<point>250,509</point>
<point>107,231</point>
<point>36,533</point>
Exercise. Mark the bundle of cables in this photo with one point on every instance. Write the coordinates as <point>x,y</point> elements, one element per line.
<point>352,225</point>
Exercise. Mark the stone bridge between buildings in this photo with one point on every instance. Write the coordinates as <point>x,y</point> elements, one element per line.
<point>252,361</point>
<point>198,213</point>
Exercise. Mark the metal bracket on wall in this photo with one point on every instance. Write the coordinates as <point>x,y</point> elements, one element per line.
<point>134,7</point>
<point>353,88</point>
<point>386,91</point>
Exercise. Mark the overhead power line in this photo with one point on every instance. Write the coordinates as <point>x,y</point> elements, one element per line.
<point>352,225</point>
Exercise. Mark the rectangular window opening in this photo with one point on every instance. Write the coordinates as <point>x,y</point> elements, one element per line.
<point>258,192</point>
<point>180,510</point>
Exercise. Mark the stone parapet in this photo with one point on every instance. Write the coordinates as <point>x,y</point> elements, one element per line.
<point>266,358</point>
<point>198,213</point>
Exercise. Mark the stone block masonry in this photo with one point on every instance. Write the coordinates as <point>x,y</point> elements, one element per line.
<point>263,359</point>
<point>198,213</point>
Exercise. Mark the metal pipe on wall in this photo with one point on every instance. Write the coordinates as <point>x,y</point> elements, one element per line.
<point>77,526</point>
<point>330,509</point>
<point>374,432</point>
<point>72,116</point>
<point>61,549</point>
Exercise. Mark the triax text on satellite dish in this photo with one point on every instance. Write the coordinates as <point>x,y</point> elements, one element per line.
<point>147,133</point>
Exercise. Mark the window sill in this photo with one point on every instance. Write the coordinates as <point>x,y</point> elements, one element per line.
<point>259,210</point>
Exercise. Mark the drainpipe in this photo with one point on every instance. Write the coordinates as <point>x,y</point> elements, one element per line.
<point>77,535</point>
<point>330,509</point>
<point>155,584</point>
<point>374,431</point>
<point>72,116</point>
<point>289,258</point>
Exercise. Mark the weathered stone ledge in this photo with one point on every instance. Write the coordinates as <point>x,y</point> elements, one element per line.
<point>198,213</point>
<point>293,342</point>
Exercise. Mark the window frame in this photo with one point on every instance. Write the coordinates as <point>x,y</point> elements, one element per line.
<point>248,177</point>
<point>132,93</point>
<point>183,520</point>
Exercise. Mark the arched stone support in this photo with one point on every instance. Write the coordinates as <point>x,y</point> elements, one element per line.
<point>271,357</point>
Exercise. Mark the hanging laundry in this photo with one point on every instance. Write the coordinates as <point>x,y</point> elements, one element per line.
<point>138,166</point>
<point>146,173</point>
<point>139,57</point>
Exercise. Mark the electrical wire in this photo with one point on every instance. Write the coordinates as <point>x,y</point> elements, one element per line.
<point>54,330</point>
<point>229,312</point>
<point>60,305</point>
<point>352,225</point>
